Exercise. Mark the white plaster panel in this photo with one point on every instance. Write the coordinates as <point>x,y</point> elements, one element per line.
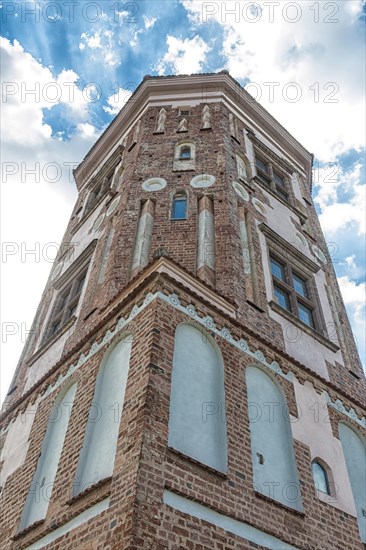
<point>206,240</point>
<point>298,343</point>
<point>304,348</point>
<point>40,492</point>
<point>17,442</point>
<point>143,239</point>
<point>354,449</point>
<point>279,219</point>
<point>84,236</point>
<point>231,525</point>
<point>297,188</point>
<point>321,283</point>
<point>47,359</point>
<point>274,466</point>
<point>250,153</point>
<point>245,247</point>
<point>100,441</point>
<point>197,424</point>
<point>313,428</point>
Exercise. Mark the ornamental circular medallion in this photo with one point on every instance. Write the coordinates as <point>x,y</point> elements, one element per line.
<point>154,184</point>
<point>98,222</point>
<point>259,206</point>
<point>239,189</point>
<point>319,254</point>
<point>113,205</point>
<point>301,239</point>
<point>203,180</point>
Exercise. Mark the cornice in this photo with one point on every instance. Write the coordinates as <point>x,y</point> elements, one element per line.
<point>201,87</point>
<point>283,245</point>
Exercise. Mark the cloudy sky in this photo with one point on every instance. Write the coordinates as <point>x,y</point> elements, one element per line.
<point>68,67</point>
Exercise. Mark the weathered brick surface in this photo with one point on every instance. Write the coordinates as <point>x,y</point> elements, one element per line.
<point>144,466</point>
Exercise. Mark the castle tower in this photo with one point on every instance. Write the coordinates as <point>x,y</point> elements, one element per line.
<point>191,380</point>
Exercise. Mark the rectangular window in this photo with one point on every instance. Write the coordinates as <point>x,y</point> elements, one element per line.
<point>179,208</point>
<point>292,291</point>
<point>271,177</point>
<point>66,303</point>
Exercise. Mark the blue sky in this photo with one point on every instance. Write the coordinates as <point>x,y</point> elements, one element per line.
<point>303,61</point>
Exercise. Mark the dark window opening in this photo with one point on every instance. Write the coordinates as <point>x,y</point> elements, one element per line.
<point>179,207</point>
<point>185,153</point>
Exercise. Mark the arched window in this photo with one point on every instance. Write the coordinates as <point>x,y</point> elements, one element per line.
<point>97,455</point>
<point>179,206</point>
<point>197,423</point>
<point>320,476</point>
<point>354,448</point>
<point>184,156</point>
<point>185,152</point>
<point>39,495</point>
<point>273,458</point>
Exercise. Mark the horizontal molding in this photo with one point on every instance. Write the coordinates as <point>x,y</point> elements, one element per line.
<point>75,522</point>
<point>234,526</point>
<point>284,247</point>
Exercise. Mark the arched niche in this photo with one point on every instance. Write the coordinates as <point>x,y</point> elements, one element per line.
<point>197,423</point>
<point>184,156</point>
<point>40,491</point>
<point>273,457</point>
<point>97,455</point>
<point>354,449</point>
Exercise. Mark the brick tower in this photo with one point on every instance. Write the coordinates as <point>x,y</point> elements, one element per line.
<point>191,379</point>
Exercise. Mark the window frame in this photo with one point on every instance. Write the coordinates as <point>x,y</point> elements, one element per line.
<point>327,481</point>
<point>179,196</point>
<point>268,178</point>
<point>68,280</point>
<point>70,295</point>
<point>288,287</point>
<point>181,149</point>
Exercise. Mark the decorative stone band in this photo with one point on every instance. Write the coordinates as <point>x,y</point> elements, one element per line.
<point>78,520</point>
<point>239,528</point>
<point>209,324</point>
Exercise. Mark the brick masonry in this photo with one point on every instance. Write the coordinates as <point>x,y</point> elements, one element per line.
<point>144,465</point>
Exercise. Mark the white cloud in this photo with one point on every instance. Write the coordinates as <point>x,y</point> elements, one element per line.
<point>92,41</point>
<point>350,261</point>
<point>354,297</point>
<point>37,188</point>
<point>314,53</point>
<point>337,214</point>
<point>183,56</point>
<point>149,23</point>
<point>117,101</point>
<point>101,43</point>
